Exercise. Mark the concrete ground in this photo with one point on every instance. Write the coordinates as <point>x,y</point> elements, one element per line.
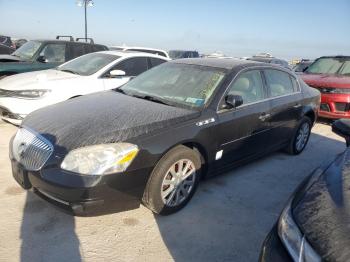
<point>227,219</point>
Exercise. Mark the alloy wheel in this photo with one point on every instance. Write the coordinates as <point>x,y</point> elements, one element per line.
<point>178,182</point>
<point>303,135</point>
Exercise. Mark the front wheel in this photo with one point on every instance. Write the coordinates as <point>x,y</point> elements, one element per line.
<point>300,137</point>
<point>173,181</point>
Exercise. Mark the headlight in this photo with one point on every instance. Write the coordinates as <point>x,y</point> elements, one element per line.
<point>35,93</point>
<point>100,159</point>
<point>292,238</point>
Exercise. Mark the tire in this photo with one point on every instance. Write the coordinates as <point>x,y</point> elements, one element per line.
<point>166,184</point>
<point>303,132</point>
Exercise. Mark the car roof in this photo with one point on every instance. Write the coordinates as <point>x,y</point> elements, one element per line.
<point>63,41</point>
<point>225,63</point>
<point>132,54</point>
<point>263,59</point>
<point>138,47</point>
<point>336,56</point>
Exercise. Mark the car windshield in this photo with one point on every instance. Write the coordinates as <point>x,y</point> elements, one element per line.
<point>330,65</point>
<point>27,50</point>
<point>177,84</point>
<point>88,64</point>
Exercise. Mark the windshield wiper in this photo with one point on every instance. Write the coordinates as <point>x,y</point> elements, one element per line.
<point>153,99</point>
<point>68,71</point>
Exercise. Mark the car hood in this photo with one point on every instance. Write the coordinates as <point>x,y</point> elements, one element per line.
<point>323,213</point>
<point>104,117</point>
<point>9,58</point>
<point>324,80</point>
<point>34,80</point>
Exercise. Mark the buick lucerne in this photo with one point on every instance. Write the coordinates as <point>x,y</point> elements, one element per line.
<point>151,140</point>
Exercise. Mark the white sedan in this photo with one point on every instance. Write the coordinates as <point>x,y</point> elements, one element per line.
<point>23,93</point>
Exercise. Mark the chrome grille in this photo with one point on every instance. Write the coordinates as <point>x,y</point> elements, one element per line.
<point>30,149</point>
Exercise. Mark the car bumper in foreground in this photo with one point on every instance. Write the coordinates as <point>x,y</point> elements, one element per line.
<point>273,248</point>
<point>335,106</point>
<point>84,195</point>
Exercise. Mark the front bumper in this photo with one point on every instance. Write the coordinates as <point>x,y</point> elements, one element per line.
<point>11,117</point>
<point>273,248</point>
<point>335,106</point>
<point>84,195</point>
<point>14,110</point>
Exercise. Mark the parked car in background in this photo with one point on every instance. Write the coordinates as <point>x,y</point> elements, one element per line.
<point>270,60</point>
<point>314,225</point>
<point>6,40</point>
<point>19,42</point>
<point>152,139</point>
<point>178,54</point>
<point>331,76</point>
<point>6,45</point>
<point>44,54</point>
<point>140,49</point>
<point>302,65</point>
<point>21,94</point>
<point>6,50</point>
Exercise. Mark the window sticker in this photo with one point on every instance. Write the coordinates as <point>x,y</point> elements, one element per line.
<point>196,101</point>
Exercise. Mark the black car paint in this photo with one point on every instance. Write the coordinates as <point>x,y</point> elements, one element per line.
<point>320,208</point>
<point>272,248</point>
<point>323,212</point>
<point>98,119</point>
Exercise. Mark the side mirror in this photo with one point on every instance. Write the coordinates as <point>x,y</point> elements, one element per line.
<point>116,73</point>
<point>342,128</point>
<point>233,101</point>
<point>42,59</point>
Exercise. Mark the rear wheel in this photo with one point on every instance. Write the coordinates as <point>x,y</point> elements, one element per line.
<point>300,137</point>
<point>173,181</point>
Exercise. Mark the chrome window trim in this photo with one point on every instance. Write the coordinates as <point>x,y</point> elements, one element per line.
<point>219,111</point>
<point>244,137</point>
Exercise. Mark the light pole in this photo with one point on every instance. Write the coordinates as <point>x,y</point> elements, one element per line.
<point>85,4</point>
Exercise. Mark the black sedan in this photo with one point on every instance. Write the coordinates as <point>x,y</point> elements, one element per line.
<point>153,139</point>
<point>314,226</point>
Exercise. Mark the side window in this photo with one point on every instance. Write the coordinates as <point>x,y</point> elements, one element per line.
<point>279,83</point>
<point>78,50</point>
<point>54,53</point>
<point>249,86</point>
<point>295,84</point>
<point>156,61</point>
<point>133,66</point>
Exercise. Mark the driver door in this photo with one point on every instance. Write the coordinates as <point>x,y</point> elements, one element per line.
<point>244,131</point>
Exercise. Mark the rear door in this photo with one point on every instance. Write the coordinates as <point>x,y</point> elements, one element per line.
<point>131,66</point>
<point>244,131</point>
<point>284,91</point>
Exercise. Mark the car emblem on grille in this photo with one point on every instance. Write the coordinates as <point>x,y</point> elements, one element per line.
<point>21,149</point>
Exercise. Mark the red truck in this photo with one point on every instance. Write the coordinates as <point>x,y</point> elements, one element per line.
<point>331,76</point>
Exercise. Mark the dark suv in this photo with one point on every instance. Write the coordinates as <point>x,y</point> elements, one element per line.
<point>6,45</point>
<point>44,54</point>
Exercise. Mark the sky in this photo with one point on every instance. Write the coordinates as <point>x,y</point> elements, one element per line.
<point>285,28</point>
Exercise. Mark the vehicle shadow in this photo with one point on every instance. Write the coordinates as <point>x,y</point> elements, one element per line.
<point>46,233</point>
<point>231,214</point>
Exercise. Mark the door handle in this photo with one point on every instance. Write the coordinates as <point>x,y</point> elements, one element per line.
<point>297,105</point>
<point>264,116</point>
